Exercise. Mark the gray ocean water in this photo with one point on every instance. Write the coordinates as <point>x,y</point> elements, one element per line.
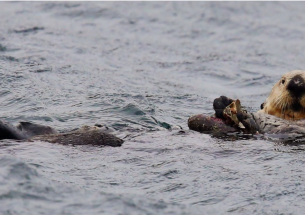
<point>143,68</point>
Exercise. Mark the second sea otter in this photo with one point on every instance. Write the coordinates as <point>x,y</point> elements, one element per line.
<point>86,135</point>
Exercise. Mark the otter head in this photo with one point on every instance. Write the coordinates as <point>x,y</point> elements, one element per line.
<point>287,97</point>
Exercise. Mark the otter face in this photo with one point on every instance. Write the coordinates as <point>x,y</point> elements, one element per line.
<point>287,98</point>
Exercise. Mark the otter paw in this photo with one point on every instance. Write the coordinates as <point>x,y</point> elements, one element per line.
<point>220,104</point>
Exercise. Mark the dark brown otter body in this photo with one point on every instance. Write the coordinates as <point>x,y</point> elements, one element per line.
<point>87,135</point>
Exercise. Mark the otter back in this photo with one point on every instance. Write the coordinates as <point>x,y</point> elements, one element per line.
<point>84,136</point>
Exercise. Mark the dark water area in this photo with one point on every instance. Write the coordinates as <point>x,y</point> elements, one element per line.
<point>143,68</point>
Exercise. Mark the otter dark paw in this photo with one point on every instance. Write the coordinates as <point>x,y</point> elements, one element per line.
<point>247,120</point>
<point>220,104</point>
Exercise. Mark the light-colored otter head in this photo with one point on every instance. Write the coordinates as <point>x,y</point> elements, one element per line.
<point>287,97</point>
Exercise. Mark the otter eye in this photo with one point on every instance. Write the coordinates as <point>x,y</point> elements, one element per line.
<point>262,106</point>
<point>283,81</point>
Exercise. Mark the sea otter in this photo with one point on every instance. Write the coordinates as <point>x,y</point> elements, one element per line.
<point>87,135</point>
<point>283,112</point>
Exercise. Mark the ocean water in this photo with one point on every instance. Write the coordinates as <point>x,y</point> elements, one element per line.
<point>142,68</point>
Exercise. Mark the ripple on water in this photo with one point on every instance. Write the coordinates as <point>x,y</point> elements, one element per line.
<point>25,184</point>
<point>144,68</point>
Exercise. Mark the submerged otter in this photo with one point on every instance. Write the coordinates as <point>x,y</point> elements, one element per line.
<point>87,135</point>
<point>283,112</point>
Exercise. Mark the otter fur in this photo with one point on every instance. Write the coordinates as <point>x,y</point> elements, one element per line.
<point>287,97</point>
<point>283,112</point>
<point>87,135</point>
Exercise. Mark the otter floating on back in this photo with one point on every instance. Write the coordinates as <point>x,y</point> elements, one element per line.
<point>283,112</point>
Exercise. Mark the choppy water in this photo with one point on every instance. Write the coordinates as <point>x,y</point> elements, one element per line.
<point>142,68</point>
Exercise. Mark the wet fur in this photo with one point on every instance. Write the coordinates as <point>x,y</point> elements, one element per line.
<point>281,103</point>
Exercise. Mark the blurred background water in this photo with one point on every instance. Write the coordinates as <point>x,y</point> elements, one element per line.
<point>143,68</point>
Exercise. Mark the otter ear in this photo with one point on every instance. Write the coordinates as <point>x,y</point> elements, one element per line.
<point>262,106</point>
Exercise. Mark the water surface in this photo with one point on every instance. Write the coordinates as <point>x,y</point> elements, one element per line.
<point>143,68</point>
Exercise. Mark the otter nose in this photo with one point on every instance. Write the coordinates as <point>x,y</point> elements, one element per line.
<point>296,86</point>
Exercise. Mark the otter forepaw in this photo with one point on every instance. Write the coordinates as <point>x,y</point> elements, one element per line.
<point>220,104</point>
